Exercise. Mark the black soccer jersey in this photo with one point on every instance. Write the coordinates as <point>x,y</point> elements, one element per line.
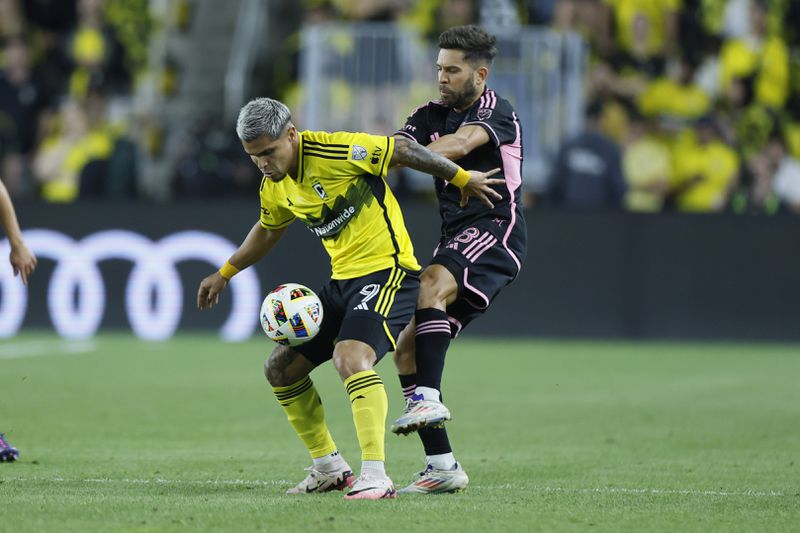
<point>504,151</point>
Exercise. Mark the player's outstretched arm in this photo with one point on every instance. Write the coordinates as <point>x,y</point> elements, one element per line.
<point>456,145</point>
<point>473,183</point>
<point>22,259</point>
<point>255,246</point>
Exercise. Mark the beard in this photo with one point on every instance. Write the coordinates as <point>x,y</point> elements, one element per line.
<point>461,100</point>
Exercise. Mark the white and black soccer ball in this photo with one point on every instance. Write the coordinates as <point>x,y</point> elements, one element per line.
<point>291,314</point>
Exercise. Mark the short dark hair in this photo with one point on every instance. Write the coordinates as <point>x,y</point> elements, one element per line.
<point>477,44</point>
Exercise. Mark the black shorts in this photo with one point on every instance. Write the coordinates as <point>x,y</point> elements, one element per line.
<point>372,309</point>
<point>484,257</point>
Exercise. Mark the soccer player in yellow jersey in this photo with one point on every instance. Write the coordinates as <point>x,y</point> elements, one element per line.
<point>334,183</point>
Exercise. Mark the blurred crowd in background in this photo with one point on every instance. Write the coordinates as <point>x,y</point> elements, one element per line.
<point>694,105</point>
<point>65,66</point>
<point>63,63</point>
<point>691,105</point>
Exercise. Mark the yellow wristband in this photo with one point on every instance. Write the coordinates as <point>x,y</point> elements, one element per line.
<point>461,178</point>
<point>228,270</point>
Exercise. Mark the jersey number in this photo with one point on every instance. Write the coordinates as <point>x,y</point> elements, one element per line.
<point>468,235</point>
<point>369,292</point>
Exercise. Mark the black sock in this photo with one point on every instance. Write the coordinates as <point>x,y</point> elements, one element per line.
<point>435,441</point>
<point>408,382</point>
<point>432,340</point>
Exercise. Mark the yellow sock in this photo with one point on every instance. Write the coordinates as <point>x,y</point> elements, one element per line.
<point>304,410</point>
<point>370,405</point>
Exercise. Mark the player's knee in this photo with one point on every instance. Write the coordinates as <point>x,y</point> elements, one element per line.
<point>352,357</point>
<point>347,364</point>
<point>435,288</point>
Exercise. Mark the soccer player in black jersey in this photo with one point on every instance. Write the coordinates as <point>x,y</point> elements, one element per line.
<point>481,248</point>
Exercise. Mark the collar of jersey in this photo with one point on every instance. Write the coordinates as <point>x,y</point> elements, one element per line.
<point>299,158</point>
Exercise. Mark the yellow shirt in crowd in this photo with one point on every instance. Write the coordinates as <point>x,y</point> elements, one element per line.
<point>706,172</point>
<point>648,164</point>
<point>768,61</point>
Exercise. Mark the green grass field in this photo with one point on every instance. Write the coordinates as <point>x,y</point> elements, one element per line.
<point>121,435</point>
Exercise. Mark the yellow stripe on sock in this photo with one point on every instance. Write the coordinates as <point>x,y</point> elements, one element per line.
<point>285,394</point>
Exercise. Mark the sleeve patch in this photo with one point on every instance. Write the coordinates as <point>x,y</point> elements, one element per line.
<point>359,153</point>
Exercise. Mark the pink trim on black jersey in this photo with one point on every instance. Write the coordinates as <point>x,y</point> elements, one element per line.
<point>511,154</point>
<point>512,170</point>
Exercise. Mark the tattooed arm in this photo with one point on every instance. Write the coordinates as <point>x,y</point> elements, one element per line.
<point>410,154</point>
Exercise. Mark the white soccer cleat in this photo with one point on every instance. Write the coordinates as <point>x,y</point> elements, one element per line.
<point>322,481</point>
<point>420,413</point>
<point>435,481</point>
<point>369,487</point>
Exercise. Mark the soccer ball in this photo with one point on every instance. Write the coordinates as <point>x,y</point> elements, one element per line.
<point>291,314</point>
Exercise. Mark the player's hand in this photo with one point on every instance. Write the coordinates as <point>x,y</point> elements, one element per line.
<point>208,293</point>
<point>479,186</point>
<point>22,261</point>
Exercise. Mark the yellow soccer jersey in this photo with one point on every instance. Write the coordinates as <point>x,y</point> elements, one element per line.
<point>341,196</point>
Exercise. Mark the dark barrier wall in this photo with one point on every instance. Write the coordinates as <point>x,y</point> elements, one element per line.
<point>596,275</point>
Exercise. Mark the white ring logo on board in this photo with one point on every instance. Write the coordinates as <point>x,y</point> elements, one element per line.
<point>76,295</point>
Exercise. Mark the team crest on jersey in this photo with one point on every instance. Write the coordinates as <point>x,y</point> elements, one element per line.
<point>359,153</point>
<point>320,191</point>
<point>484,113</point>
